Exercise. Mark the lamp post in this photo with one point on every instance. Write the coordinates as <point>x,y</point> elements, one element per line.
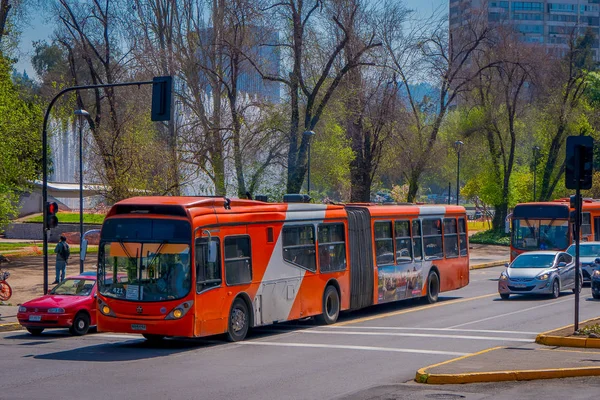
<point>309,135</point>
<point>457,145</point>
<point>82,114</point>
<point>536,151</point>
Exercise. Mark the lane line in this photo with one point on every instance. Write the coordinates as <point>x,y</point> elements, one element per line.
<point>428,335</point>
<point>348,347</point>
<point>497,316</point>
<point>427,307</point>
<point>431,329</point>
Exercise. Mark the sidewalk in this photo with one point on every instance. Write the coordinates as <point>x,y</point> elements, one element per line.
<point>566,357</point>
<point>8,318</point>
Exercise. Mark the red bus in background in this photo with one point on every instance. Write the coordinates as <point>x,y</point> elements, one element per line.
<point>547,226</point>
<point>198,266</point>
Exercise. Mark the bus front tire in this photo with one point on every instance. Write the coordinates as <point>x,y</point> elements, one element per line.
<point>331,307</point>
<point>239,320</point>
<point>433,287</point>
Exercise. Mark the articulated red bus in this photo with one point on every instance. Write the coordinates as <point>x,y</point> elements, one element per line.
<point>546,225</point>
<point>199,266</point>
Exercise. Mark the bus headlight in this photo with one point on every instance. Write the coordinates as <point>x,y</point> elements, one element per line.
<point>105,310</point>
<point>180,310</point>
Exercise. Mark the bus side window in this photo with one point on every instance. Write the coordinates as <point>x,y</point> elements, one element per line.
<point>208,274</point>
<point>332,247</point>
<point>416,237</point>
<point>432,238</point>
<point>238,265</point>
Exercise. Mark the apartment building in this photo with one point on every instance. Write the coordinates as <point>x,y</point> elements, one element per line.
<point>548,22</point>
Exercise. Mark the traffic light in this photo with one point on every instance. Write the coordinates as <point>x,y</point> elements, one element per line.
<point>578,162</point>
<point>161,98</point>
<point>51,218</point>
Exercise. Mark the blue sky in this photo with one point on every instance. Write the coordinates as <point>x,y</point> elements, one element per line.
<point>38,29</point>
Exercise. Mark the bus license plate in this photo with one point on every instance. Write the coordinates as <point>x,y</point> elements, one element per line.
<point>35,318</point>
<point>138,327</point>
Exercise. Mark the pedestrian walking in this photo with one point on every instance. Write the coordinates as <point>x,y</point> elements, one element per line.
<point>62,256</point>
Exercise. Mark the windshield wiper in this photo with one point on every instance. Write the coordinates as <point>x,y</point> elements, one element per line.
<point>157,252</point>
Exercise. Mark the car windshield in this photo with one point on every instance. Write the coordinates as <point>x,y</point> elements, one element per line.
<point>74,287</point>
<point>533,261</point>
<point>587,250</point>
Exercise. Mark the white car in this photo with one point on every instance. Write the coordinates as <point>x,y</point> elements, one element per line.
<point>588,252</point>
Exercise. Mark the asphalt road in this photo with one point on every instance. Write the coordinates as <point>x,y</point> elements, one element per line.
<point>370,354</point>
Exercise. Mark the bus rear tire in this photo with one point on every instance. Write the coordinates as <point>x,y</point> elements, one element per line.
<point>331,307</point>
<point>433,287</point>
<point>239,320</point>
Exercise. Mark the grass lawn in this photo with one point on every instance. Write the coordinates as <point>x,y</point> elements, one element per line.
<point>29,248</point>
<point>479,225</point>
<point>71,218</point>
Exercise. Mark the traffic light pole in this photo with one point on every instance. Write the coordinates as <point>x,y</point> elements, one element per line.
<point>577,266</point>
<point>45,159</point>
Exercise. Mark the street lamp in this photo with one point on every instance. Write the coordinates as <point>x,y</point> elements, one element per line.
<point>457,145</point>
<point>81,114</point>
<point>536,151</point>
<point>309,135</point>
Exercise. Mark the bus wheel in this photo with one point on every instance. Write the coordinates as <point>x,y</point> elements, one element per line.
<point>433,287</point>
<point>239,320</point>
<point>331,307</point>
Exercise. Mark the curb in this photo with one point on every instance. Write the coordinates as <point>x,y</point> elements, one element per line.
<point>499,263</point>
<point>11,326</point>
<point>548,339</point>
<point>423,376</point>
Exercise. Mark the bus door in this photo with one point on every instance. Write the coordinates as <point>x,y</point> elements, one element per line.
<point>210,291</point>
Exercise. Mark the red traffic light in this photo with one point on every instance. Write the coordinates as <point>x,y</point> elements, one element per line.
<point>51,218</point>
<point>52,208</point>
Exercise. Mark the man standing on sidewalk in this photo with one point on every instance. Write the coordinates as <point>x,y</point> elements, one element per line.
<point>62,255</point>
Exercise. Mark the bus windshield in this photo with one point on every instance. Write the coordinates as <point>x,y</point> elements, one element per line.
<point>150,258</point>
<point>146,271</point>
<point>540,234</point>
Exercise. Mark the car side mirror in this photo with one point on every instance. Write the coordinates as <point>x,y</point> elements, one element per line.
<point>562,264</point>
<point>83,249</point>
<point>506,265</point>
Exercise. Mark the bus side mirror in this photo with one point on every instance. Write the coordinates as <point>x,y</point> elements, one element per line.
<point>212,251</point>
<point>83,249</point>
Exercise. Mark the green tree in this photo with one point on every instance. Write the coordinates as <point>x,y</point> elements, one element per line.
<point>20,144</point>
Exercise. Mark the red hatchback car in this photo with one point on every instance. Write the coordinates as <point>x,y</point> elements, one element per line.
<point>70,304</point>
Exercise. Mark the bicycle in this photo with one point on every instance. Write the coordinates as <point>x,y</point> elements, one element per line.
<point>5,289</point>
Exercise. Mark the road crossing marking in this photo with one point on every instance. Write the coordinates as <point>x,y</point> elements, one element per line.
<point>429,335</point>
<point>497,316</point>
<point>349,347</point>
<point>415,309</point>
<point>430,329</point>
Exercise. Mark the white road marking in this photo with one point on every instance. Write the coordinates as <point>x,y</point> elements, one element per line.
<point>346,347</point>
<point>510,313</point>
<point>420,335</point>
<point>430,329</point>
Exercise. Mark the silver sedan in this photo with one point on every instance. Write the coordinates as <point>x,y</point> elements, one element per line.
<point>588,252</point>
<point>539,272</point>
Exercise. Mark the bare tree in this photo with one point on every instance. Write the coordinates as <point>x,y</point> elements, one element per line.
<point>315,37</point>
<point>566,83</point>
<point>425,51</point>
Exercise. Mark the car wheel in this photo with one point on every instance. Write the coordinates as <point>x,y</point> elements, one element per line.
<point>433,287</point>
<point>81,324</point>
<point>504,296</point>
<point>153,338</point>
<point>555,289</point>
<point>331,307</point>
<point>239,320</point>
<point>35,331</point>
